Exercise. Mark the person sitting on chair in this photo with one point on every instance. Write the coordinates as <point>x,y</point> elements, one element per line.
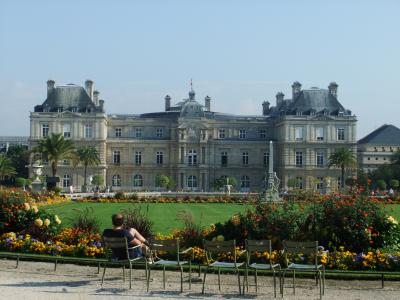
<point>134,238</point>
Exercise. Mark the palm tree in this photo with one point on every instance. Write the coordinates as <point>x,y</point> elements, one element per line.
<point>88,155</point>
<point>343,158</point>
<point>6,167</point>
<point>55,148</point>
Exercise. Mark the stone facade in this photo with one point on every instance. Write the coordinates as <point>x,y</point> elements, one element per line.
<point>196,146</point>
<point>377,147</point>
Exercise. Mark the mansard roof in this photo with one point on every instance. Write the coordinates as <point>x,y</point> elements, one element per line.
<point>68,97</point>
<point>310,102</point>
<point>385,135</point>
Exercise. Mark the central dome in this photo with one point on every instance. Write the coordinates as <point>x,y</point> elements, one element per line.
<point>192,109</point>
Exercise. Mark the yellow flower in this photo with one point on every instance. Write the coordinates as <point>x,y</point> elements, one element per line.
<point>46,222</point>
<point>57,220</point>
<point>27,206</point>
<point>235,220</point>
<point>35,209</point>
<point>392,220</point>
<point>220,238</point>
<point>38,222</point>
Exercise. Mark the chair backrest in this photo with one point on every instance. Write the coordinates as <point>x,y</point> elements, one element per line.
<point>307,247</point>
<point>171,246</point>
<point>116,243</point>
<point>258,246</point>
<point>211,247</point>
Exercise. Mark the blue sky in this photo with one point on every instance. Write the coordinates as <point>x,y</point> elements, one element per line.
<point>238,52</point>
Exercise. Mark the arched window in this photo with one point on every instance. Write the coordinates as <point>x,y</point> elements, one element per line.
<point>66,181</point>
<point>192,157</point>
<point>192,181</point>
<point>137,180</point>
<point>116,180</point>
<point>244,181</point>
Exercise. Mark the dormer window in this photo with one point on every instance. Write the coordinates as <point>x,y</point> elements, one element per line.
<point>74,109</point>
<point>299,113</point>
<point>312,112</point>
<point>46,108</point>
<point>60,109</point>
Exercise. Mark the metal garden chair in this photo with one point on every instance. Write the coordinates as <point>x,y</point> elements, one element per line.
<point>260,246</point>
<point>118,243</point>
<point>303,248</point>
<point>215,247</point>
<point>170,247</point>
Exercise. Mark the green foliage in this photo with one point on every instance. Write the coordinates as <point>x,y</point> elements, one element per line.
<point>98,180</point>
<point>381,184</point>
<point>6,167</point>
<point>219,183</point>
<point>88,156</point>
<point>120,195</point>
<point>342,158</point>
<point>136,218</point>
<point>86,220</point>
<point>55,148</point>
<point>20,182</point>
<point>192,232</point>
<point>19,156</point>
<point>394,183</point>
<point>164,181</point>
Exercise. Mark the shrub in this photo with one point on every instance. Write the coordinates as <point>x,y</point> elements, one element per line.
<point>192,232</point>
<point>136,218</point>
<point>86,220</point>
<point>20,182</point>
<point>381,184</point>
<point>394,183</point>
<point>120,195</point>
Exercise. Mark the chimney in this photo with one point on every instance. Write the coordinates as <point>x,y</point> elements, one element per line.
<point>265,106</point>
<point>101,104</point>
<point>50,86</point>
<point>279,99</point>
<point>167,102</point>
<point>333,89</point>
<point>207,103</point>
<point>89,88</point>
<point>96,98</point>
<point>296,89</point>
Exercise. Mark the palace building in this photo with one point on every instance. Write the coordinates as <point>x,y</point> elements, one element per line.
<point>196,145</point>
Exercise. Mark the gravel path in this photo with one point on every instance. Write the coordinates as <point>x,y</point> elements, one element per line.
<point>36,280</point>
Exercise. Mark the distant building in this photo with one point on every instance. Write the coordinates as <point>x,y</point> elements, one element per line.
<point>7,141</point>
<point>377,147</point>
<point>195,145</point>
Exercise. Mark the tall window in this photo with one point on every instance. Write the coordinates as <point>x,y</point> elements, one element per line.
<point>192,157</point>
<point>221,133</point>
<point>299,159</point>
<point>224,158</point>
<point>137,180</point>
<point>138,157</point>
<point>299,133</point>
<point>88,131</point>
<point>320,159</point>
<point>66,181</point>
<point>242,133</point>
<point>182,155</point>
<point>340,134</point>
<point>45,130</point>
<point>192,181</point>
<point>319,133</point>
<point>263,133</point>
<point>245,158</point>
<point>320,183</point>
<point>117,157</point>
<point>138,132</point>
<point>159,157</point>
<point>159,132</point>
<point>116,180</point>
<point>299,182</point>
<point>118,132</point>
<point>266,158</point>
<point>67,130</point>
<point>245,181</point>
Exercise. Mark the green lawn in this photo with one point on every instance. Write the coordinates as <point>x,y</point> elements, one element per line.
<point>163,215</point>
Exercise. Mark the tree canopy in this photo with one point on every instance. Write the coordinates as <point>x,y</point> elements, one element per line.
<point>342,158</point>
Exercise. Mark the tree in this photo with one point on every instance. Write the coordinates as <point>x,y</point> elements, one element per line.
<point>394,183</point>
<point>219,183</point>
<point>381,184</point>
<point>98,180</point>
<point>19,156</point>
<point>88,156</point>
<point>55,148</point>
<point>395,159</point>
<point>6,167</point>
<point>164,181</point>
<point>343,158</point>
